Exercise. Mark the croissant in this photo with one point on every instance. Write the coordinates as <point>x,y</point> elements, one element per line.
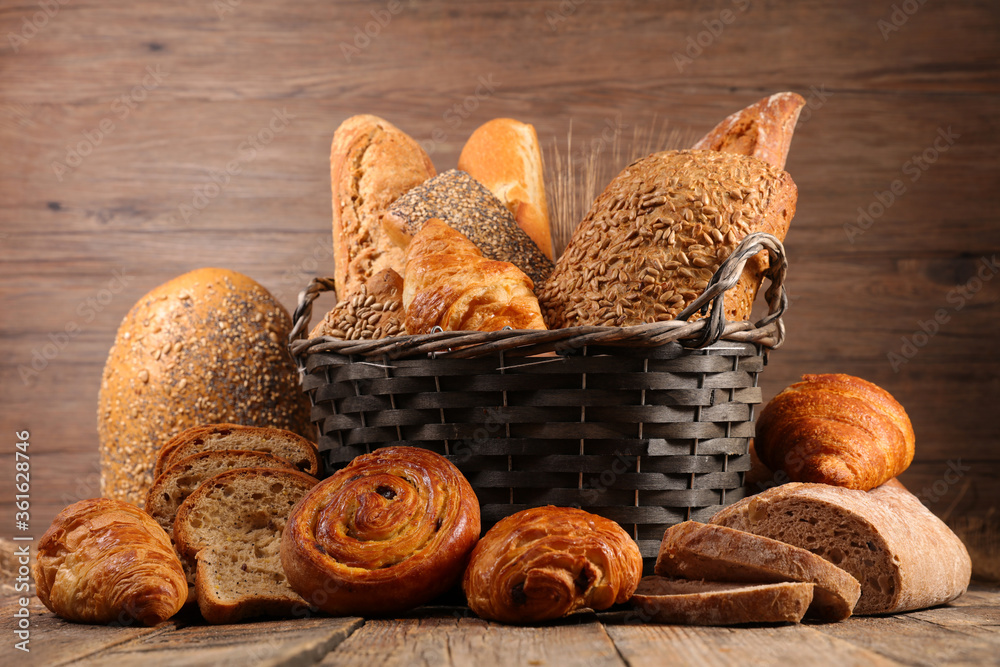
<point>835,429</point>
<point>544,563</point>
<point>387,533</point>
<point>450,284</point>
<point>104,561</point>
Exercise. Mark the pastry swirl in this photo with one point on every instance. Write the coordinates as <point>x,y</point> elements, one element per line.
<point>547,562</point>
<point>106,561</point>
<point>387,533</point>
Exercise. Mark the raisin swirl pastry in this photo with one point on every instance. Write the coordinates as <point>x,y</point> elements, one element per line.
<point>387,533</point>
<point>106,561</point>
<point>544,563</point>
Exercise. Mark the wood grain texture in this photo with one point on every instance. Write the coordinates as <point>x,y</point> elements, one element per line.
<point>80,247</point>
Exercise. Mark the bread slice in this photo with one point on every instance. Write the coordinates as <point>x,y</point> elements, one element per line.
<point>686,602</point>
<point>232,525</point>
<point>904,557</point>
<point>762,130</point>
<point>703,551</point>
<point>301,452</point>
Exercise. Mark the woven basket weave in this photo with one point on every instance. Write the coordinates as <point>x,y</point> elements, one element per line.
<point>647,425</point>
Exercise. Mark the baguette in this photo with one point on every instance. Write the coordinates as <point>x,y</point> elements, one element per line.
<point>762,130</point>
<point>684,602</point>
<point>904,557</point>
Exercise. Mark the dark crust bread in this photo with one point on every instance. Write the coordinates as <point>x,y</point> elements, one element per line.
<point>685,602</point>
<point>904,557</point>
<point>236,436</point>
<point>695,550</point>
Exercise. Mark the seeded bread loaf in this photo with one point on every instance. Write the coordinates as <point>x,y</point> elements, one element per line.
<point>762,130</point>
<point>374,311</point>
<point>467,206</point>
<point>301,453</point>
<point>653,239</point>
<point>685,602</point>
<point>503,154</point>
<point>209,346</point>
<point>231,526</point>
<point>904,557</point>
<point>695,550</point>
<point>372,162</point>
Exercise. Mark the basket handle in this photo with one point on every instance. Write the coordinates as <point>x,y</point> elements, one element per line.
<point>726,277</point>
<point>303,311</point>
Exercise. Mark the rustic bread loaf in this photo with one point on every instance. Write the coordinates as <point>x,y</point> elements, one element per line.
<point>686,602</point>
<point>209,346</point>
<point>653,239</point>
<point>503,154</point>
<point>695,550</point>
<point>372,162</point>
<point>449,284</point>
<point>375,310</point>
<point>301,453</point>
<point>835,429</point>
<point>232,525</point>
<point>904,557</point>
<point>466,205</point>
<point>762,130</point>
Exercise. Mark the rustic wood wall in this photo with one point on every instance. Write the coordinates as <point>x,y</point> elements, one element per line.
<point>114,117</point>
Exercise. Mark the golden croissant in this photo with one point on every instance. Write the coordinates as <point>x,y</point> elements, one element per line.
<point>448,283</point>
<point>106,561</point>
<point>543,563</point>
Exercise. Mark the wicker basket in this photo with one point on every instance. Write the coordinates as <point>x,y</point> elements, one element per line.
<point>647,425</point>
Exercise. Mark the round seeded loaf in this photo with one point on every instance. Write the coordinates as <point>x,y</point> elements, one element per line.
<point>208,346</point>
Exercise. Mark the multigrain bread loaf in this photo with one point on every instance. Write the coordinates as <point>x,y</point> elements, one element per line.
<point>904,557</point>
<point>762,130</point>
<point>232,525</point>
<point>503,154</point>
<point>375,310</point>
<point>213,437</point>
<point>372,162</point>
<point>467,206</point>
<point>208,346</point>
<point>695,550</point>
<point>653,239</point>
<point>835,429</point>
<point>685,602</point>
<point>451,285</point>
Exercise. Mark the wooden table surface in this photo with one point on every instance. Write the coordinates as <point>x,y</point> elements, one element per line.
<point>966,632</point>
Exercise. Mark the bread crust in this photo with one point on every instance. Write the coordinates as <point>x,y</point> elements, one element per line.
<point>375,311</point>
<point>695,550</point>
<point>503,154</point>
<point>209,346</point>
<point>216,437</point>
<point>916,561</point>
<point>684,602</point>
<point>106,561</point>
<point>372,163</point>
<point>835,429</point>
<point>762,130</point>
<point>544,563</point>
<point>387,533</point>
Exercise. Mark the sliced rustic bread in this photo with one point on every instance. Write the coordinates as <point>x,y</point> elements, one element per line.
<point>904,557</point>
<point>301,452</point>
<point>688,602</point>
<point>232,526</point>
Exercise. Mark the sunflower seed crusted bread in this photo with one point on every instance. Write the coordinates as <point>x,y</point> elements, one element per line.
<point>686,602</point>
<point>374,311</point>
<point>300,452</point>
<point>655,236</point>
<point>231,526</point>
<point>467,206</point>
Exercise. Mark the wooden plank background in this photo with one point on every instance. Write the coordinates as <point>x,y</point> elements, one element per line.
<point>113,116</point>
